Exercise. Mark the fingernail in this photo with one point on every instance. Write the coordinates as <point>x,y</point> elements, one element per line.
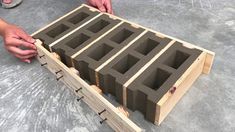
<point>28,61</point>
<point>32,40</point>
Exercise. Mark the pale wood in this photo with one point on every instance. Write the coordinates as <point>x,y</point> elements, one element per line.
<point>169,100</point>
<point>208,62</point>
<point>116,119</point>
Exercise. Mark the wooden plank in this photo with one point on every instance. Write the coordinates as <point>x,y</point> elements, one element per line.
<point>116,119</point>
<point>208,62</point>
<point>169,100</point>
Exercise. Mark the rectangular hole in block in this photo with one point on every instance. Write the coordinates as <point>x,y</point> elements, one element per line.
<point>147,46</point>
<point>176,59</point>
<point>125,64</point>
<point>77,41</point>
<point>78,18</point>
<point>100,52</point>
<point>98,26</point>
<point>156,79</point>
<point>57,30</point>
<point>121,36</point>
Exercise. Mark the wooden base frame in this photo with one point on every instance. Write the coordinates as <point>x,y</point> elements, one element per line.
<point>115,117</point>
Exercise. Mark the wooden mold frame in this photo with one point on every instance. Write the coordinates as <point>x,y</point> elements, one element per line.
<point>116,118</point>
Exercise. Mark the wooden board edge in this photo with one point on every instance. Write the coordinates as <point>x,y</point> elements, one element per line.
<point>170,99</point>
<point>116,119</point>
<point>208,62</point>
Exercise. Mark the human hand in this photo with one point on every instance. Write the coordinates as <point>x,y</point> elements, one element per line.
<point>102,5</point>
<point>17,42</point>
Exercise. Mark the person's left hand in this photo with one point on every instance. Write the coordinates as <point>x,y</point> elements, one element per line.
<point>102,5</point>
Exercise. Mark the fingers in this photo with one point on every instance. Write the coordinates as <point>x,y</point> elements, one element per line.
<point>108,5</point>
<point>17,42</point>
<point>25,36</point>
<point>20,52</point>
<point>26,60</point>
<point>24,57</point>
<point>100,6</point>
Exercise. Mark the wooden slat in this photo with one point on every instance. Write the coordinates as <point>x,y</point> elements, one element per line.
<point>116,119</point>
<point>169,100</point>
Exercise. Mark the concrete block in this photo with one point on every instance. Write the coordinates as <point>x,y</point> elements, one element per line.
<point>113,76</point>
<point>82,37</point>
<point>64,26</point>
<point>148,88</point>
<point>104,49</point>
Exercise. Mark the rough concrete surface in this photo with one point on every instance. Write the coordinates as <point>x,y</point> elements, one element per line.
<point>32,100</point>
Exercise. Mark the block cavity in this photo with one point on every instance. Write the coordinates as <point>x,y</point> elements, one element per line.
<point>149,87</point>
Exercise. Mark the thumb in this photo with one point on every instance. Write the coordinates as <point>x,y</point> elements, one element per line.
<point>100,6</point>
<point>26,37</point>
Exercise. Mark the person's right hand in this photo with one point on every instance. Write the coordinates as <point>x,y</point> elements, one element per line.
<point>17,42</point>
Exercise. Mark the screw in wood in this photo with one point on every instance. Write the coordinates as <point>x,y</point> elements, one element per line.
<point>173,90</point>
<point>78,90</point>
<point>58,71</point>
<point>41,56</point>
<point>80,98</point>
<point>101,122</point>
<point>101,112</point>
<point>44,64</point>
<point>59,78</point>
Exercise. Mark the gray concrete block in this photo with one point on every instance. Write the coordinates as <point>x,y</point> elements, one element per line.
<point>114,75</point>
<point>148,88</point>
<point>82,37</point>
<point>64,26</point>
<point>104,49</point>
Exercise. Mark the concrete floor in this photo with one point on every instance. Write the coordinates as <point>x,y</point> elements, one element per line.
<point>32,100</point>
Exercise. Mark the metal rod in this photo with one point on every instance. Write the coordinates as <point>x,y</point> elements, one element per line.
<point>80,98</point>
<point>44,64</point>
<point>41,56</point>
<point>58,71</point>
<point>59,78</point>
<point>102,112</point>
<point>78,89</point>
<point>102,121</point>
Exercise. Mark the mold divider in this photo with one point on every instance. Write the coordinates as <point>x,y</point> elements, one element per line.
<point>169,100</point>
<point>124,48</point>
<point>209,54</point>
<point>93,42</point>
<point>112,115</point>
<point>141,70</point>
<point>65,36</point>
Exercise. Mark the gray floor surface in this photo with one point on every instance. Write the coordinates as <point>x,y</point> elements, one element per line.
<point>32,100</point>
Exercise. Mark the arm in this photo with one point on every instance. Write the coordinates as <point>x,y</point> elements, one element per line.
<point>102,5</point>
<point>15,38</point>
